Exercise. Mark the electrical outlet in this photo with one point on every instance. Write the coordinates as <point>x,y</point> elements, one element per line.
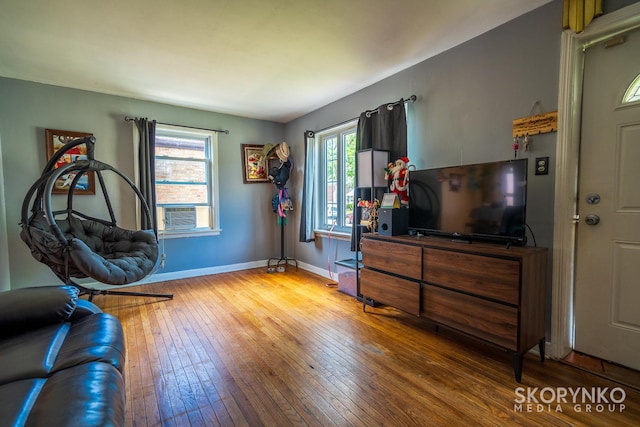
<point>542,165</point>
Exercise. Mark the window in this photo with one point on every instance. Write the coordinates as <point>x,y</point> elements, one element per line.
<point>186,181</point>
<point>633,92</point>
<point>337,176</point>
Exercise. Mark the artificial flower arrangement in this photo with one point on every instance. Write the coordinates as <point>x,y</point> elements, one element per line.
<point>367,204</point>
<point>369,213</point>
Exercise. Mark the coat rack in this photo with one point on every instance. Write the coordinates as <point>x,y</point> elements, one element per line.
<point>278,264</point>
<point>281,204</point>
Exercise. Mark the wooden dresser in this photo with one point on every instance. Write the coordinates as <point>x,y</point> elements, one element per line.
<point>488,291</point>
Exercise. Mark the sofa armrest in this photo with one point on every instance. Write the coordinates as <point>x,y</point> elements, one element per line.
<point>31,308</point>
<point>84,308</point>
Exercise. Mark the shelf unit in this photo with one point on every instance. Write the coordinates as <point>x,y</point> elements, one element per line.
<point>370,183</point>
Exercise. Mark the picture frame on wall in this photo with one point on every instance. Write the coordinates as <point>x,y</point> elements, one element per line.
<point>55,140</point>
<point>255,164</point>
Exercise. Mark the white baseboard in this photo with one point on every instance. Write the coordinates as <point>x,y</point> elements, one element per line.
<point>185,274</point>
<point>313,269</point>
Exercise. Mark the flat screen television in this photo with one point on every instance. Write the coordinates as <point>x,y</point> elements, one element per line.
<point>483,201</point>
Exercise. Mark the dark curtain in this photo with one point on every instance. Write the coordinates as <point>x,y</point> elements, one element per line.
<point>146,171</point>
<point>308,190</point>
<point>382,129</point>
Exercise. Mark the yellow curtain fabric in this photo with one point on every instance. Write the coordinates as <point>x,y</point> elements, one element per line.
<point>579,13</point>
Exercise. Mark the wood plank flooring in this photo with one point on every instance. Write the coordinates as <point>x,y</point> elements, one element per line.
<point>252,348</point>
<point>620,374</point>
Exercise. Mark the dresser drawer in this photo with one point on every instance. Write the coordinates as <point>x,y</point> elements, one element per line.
<point>403,260</point>
<point>391,290</point>
<point>495,278</point>
<point>494,322</point>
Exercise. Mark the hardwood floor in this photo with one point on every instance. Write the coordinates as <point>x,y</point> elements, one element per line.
<point>620,374</point>
<point>252,348</point>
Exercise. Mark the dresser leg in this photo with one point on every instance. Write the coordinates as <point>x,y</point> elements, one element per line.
<point>541,345</point>
<point>518,360</point>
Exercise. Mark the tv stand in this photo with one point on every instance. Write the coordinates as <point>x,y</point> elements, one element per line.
<point>467,241</point>
<point>485,290</point>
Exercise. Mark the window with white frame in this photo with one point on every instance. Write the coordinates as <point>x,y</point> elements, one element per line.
<point>336,177</point>
<point>186,181</point>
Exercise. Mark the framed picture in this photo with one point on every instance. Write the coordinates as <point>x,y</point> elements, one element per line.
<point>255,164</point>
<point>455,180</point>
<point>55,140</point>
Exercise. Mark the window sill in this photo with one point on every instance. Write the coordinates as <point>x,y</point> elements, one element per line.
<point>178,235</point>
<point>336,235</point>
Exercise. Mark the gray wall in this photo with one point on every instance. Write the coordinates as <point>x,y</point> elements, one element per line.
<point>467,100</point>
<point>249,229</point>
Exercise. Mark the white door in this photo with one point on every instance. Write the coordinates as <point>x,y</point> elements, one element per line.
<point>607,282</point>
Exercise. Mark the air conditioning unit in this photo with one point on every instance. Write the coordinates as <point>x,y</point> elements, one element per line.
<point>180,217</point>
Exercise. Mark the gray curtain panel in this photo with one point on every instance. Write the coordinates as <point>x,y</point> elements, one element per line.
<point>146,167</point>
<point>308,191</point>
<point>384,128</point>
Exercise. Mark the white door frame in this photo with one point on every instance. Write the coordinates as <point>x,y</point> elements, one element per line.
<point>567,163</point>
<point>5,277</point>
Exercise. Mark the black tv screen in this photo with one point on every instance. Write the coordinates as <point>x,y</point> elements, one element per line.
<point>483,201</point>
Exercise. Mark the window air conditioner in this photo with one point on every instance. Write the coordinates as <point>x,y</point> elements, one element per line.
<point>180,218</point>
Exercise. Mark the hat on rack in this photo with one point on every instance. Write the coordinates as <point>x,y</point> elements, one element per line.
<point>267,149</point>
<point>282,150</point>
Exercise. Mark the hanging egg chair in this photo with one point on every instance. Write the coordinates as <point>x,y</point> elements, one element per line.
<point>76,245</point>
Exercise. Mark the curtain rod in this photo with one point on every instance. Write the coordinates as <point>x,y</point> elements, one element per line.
<point>129,118</point>
<point>390,106</point>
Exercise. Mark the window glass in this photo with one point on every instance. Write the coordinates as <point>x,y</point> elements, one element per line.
<point>337,177</point>
<point>185,174</point>
<point>633,92</point>
<point>331,170</point>
<point>349,142</point>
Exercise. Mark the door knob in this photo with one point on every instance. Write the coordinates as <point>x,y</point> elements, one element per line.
<point>592,219</point>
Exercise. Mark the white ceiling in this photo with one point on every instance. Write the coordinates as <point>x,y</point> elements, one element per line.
<point>268,59</point>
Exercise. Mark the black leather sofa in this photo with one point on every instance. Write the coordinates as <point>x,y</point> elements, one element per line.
<point>61,360</point>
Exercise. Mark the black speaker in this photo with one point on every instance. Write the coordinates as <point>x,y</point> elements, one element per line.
<point>393,222</point>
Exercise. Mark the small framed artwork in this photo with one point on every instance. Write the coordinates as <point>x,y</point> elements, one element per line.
<point>390,201</point>
<point>455,180</point>
<point>255,164</point>
<point>55,139</point>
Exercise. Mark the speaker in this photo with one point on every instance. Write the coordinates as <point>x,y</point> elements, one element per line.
<point>393,222</point>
